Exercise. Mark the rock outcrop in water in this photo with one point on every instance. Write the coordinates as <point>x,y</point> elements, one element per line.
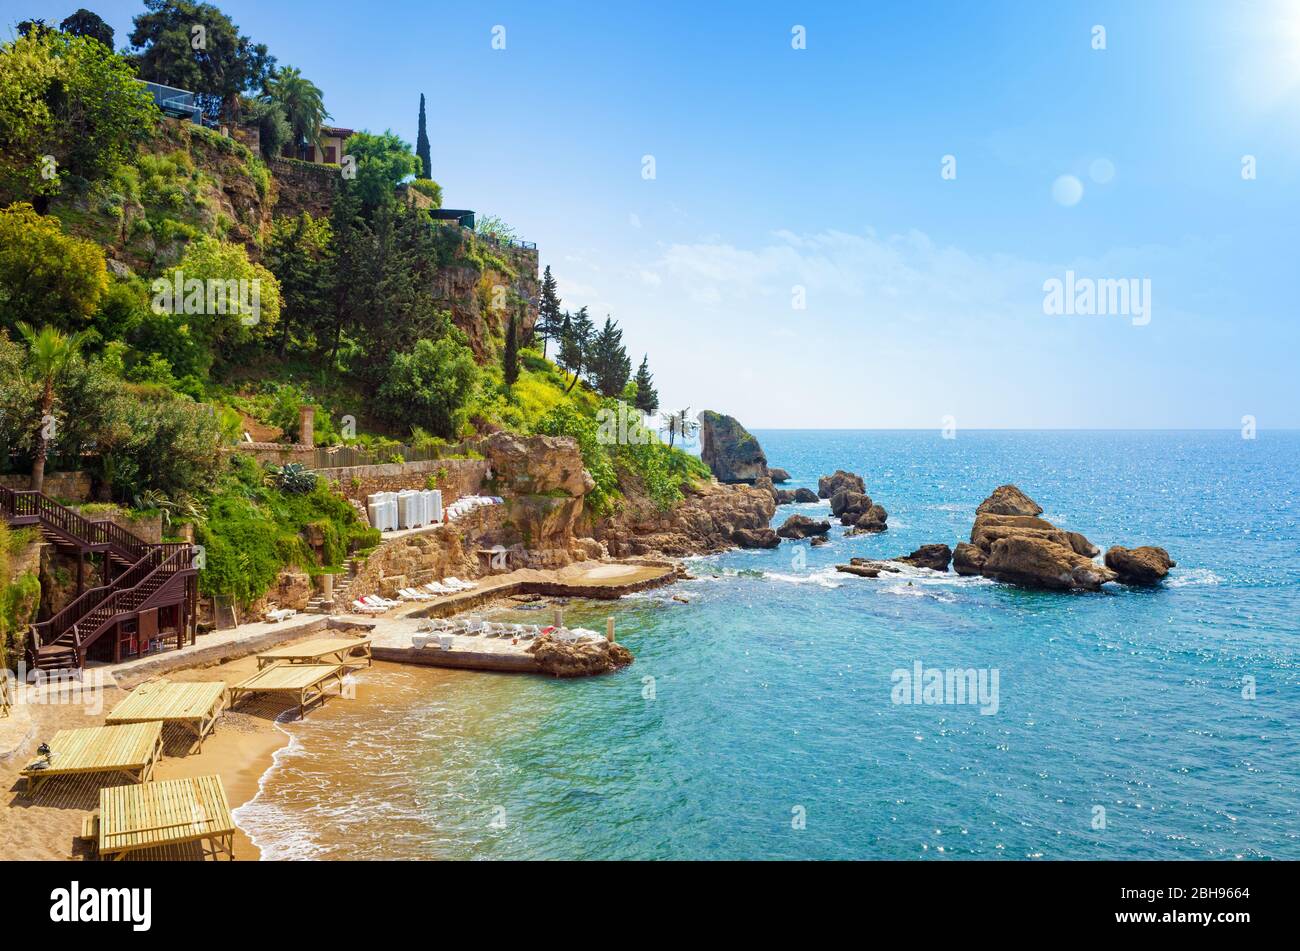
<point>1010,543</point>
<point>839,481</point>
<point>1147,565</point>
<point>730,451</point>
<point>801,526</point>
<point>777,475</point>
<point>564,659</point>
<point>790,496</point>
<point>934,557</point>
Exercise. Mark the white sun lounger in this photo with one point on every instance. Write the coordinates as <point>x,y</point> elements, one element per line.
<point>367,608</point>
<point>413,595</point>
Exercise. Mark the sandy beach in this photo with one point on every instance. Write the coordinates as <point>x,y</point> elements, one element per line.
<point>240,751</point>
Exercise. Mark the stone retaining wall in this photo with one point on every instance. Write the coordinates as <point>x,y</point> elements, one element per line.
<point>58,485</point>
<point>454,477</point>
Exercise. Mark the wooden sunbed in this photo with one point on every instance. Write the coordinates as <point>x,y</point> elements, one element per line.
<point>166,813</point>
<point>194,706</point>
<point>130,749</point>
<point>306,682</point>
<point>349,651</point>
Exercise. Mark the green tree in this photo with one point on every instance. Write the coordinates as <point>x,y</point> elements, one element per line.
<point>68,107</point>
<point>88,24</point>
<point>300,253</point>
<point>647,397</point>
<point>381,162</point>
<point>221,327</point>
<point>422,145</point>
<point>49,353</point>
<point>608,364</point>
<point>510,355</point>
<point>301,101</point>
<point>550,321</point>
<point>166,41</point>
<point>273,131</point>
<point>430,385</point>
<point>575,338</point>
<point>46,276</point>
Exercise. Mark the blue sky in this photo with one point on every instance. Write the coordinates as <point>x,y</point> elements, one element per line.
<point>778,169</point>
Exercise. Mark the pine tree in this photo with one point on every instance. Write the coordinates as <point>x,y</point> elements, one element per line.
<point>510,358</point>
<point>647,397</point>
<point>575,342</point>
<point>608,363</point>
<point>422,145</point>
<point>549,319</point>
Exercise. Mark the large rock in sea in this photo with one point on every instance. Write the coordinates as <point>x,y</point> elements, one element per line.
<point>934,557</point>
<point>1010,543</point>
<point>1037,562</point>
<point>730,451</point>
<point>777,475</point>
<point>801,526</point>
<point>838,481</point>
<point>1147,565</point>
<point>756,538</point>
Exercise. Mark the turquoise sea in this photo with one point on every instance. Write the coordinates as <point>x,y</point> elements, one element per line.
<point>757,721</point>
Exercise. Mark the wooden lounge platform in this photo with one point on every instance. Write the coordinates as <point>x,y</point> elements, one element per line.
<point>130,749</point>
<point>166,813</point>
<point>347,651</point>
<point>306,682</point>
<point>193,706</point>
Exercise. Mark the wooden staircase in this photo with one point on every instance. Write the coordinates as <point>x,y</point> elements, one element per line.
<point>152,576</point>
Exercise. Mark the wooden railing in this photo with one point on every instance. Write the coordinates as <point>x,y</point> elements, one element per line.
<point>59,518</point>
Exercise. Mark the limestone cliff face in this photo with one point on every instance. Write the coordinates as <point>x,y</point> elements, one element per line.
<point>481,284</point>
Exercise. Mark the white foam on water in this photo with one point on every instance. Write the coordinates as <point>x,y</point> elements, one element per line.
<point>1192,576</point>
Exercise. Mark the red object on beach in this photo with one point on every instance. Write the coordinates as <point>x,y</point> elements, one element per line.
<point>549,630</point>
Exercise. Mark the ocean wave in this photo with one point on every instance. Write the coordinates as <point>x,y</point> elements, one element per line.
<point>822,577</point>
<point>1192,576</point>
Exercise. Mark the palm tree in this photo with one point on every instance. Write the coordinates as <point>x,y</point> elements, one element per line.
<point>49,352</point>
<point>302,101</point>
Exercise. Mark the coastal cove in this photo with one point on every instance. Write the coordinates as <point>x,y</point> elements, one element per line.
<point>763,697</point>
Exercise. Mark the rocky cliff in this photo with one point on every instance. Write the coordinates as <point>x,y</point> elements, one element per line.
<point>730,451</point>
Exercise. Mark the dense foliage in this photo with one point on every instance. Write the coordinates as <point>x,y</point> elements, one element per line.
<point>70,113</point>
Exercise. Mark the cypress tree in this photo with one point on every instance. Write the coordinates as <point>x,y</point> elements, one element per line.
<point>422,145</point>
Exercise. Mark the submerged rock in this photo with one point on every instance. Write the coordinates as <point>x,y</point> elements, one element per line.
<point>862,571</point>
<point>935,557</point>
<point>801,526</point>
<point>1147,565</point>
<point>729,450</point>
<point>818,540</point>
